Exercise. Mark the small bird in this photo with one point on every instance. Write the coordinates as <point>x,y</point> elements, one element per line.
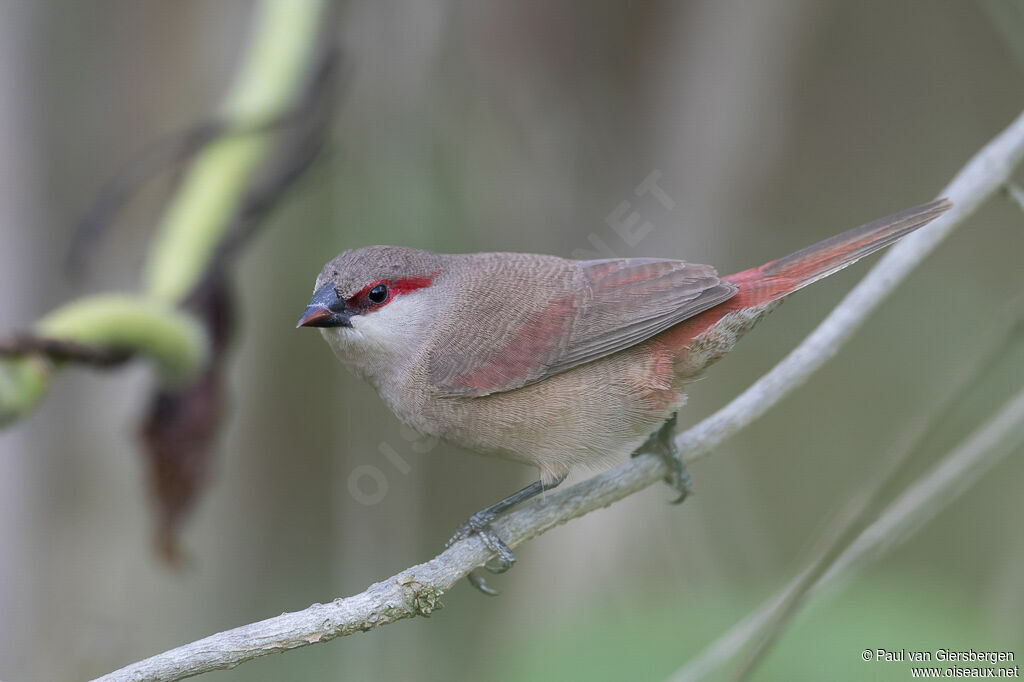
<point>549,361</point>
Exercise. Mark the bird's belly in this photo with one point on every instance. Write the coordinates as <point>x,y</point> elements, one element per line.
<point>592,414</point>
<point>588,415</point>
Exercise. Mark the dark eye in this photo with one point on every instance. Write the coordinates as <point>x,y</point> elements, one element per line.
<point>378,294</point>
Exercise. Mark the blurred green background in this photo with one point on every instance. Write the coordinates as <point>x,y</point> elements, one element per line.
<point>515,126</point>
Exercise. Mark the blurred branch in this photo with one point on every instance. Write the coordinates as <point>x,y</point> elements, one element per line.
<point>101,331</point>
<point>309,113</point>
<point>985,174</point>
<point>180,428</point>
<point>1016,194</point>
<point>215,185</point>
<point>306,134</point>
<point>62,350</point>
<point>136,325</point>
<point>168,152</point>
<point>778,611</point>
<point>958,470</point>
<point>416,591</point>
<point>1007,18</point>
<point>208,219</point>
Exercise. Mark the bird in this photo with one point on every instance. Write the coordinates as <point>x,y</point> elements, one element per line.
<point>549,361</point>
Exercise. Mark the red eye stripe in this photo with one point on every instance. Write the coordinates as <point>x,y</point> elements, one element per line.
<point>360,300</point>
<point>407,284</point>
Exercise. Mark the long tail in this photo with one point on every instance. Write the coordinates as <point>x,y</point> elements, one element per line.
<point>781,277</point>
<point>702,339</point>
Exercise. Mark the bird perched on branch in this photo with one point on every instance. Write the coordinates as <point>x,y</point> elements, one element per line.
<point>549,361</point>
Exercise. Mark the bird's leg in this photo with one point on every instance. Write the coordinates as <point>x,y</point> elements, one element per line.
<point>663,444</point>
<point>480,524</point>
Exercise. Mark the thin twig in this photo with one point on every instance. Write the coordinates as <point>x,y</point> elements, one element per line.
<point>303,144</point>
<point>957,471</point>
<point>855,515</point>
<point>986,173</point>
<point>177,149</point>
<point>1016,194</point>
<point>416,590</point>
<point>61,350</point>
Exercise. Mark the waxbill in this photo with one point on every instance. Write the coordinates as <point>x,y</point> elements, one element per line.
<point>549,361</point>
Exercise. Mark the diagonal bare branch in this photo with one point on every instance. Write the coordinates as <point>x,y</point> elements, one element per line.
<point>855,516</point>
<point>416,591</point>
<point>998,437</point>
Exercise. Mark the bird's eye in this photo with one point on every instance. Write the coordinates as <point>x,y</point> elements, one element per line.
<point>378,294</point>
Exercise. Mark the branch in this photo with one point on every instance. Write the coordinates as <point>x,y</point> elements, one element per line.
<point>61,350</point>
<point>985,174</point>
<point>773,616</point>
<point>957,471</point>
<point>102,330</point>
<point>416,591</point>
<point>171,151</point>
<point>221,193</point>
<point>271,79</point>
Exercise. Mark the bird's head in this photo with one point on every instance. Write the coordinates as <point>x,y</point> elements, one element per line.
<point>375,305</point>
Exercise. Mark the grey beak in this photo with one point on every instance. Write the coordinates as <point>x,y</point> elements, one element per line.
<point>325,309</point>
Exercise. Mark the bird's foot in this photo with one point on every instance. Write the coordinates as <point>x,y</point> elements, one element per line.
<point>662,443</point>
<point>479,524</point>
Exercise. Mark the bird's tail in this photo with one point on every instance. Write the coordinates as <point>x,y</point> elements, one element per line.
<point>781,277</point>
<point>704,338</point>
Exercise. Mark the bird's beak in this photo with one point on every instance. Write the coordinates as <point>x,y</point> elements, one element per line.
<point>325,309</point>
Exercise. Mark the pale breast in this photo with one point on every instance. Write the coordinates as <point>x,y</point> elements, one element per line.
<point>588,415</point>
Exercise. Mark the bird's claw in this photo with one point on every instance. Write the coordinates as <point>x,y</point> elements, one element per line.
<point>678,478</point>
<point>662,443</point>
<point>479,524</point>
<point>475,524</point>
<point>477,581</point>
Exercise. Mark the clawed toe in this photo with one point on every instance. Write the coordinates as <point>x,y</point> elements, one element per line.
<point>477,581</point>
<point>479,524</point>
<point>662,443</point>
<point>679,479</point>
<point>503,559</point>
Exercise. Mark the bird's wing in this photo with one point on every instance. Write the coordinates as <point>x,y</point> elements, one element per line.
<point>575,312</point>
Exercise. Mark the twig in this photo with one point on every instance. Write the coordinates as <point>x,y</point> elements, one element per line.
<point>272,77</point>
<point>416,590</point>
<point>61,350</point>
<point>1016,194</point>
<point>856,513</point>
<point>911,510</point>
<point>166,152</point>
<point>221,191</point>
<point>311,111</point>
<point>304,142</point>
<point>986,173</point>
